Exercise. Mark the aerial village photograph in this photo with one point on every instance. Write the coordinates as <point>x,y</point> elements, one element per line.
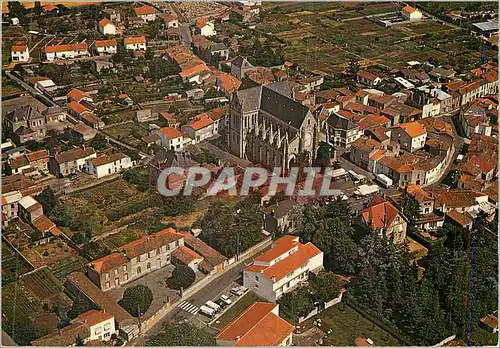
<point>249,173</point>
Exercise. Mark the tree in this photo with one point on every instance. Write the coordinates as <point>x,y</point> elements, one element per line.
<point>79,341</point>
<point>161,67</point>
<point>182,277</point>
<point>233,229</point>
<point>48,200</point>
<point>298,302</point>
<point>21,329</point>
<point>184,334</point>
<point>329,227</point>
<point>99,142</point>
<point>410,208</point>
<point>62,215</point>
<point>136,300</point>
<point>16,9</point>
<point>137,176</point>
<point>323,155</point>
<point>149,53</point>
<point>323,286</point>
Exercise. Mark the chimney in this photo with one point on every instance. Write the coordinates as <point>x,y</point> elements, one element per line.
<point>273,278</point>
<point>238,338</point>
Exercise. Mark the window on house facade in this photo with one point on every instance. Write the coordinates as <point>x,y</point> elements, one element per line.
<point>148,266</point>
<point>125,268</point>
<point>125,276</point>
<point>138,270</point>
<point>108,284</point>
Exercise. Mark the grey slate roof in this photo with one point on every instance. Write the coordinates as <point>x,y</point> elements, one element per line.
<point>26,112</point>
<point>218,46</point>
<point>275,99</point>
<point>337,122</point>
<point>281,208</point>
<point>491,25</point>
<point>283,108</point>
<point>241,62</point>
<point>24,131</point>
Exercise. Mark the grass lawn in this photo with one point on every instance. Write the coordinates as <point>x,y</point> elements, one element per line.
<point>238,308</point>
<point>348,324</point>
<point>130,133</point>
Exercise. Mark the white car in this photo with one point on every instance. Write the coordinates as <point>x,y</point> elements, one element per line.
<point>236,291</point>
<point>226,299</point>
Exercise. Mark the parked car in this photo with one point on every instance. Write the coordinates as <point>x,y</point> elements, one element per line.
<point>226,299</point>
<point>236,291</point>
<point>221,303</point>
<point>209,312</point>
<point>213,305</point>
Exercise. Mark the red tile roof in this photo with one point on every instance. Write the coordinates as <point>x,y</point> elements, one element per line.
<point>292,262</point>
<point>134,40</point>
<point>94,317</point>
<point>77,95</point>
<point>413,129</point>
<point>186,255</point>
<point>106,159</point>
<point>409,9</point>
<point>151,242</point>
<point>144,10</point>
<point>18,48</point>
<point>257,326</point>
<point>69,47</point>
<point>171,132</point>
<point>43,224</point>
<point>201,22</point>
<point>106,43</point>
<point>37,155</point>
<point>103,22</point>
<point>212,256</point>
<point>77,107</point>
<point>366,75</point>
<point>201,121</point>
<point>379,213</point>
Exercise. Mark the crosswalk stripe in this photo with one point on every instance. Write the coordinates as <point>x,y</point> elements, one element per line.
<point>189,307</point>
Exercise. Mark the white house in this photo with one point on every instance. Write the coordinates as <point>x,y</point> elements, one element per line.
<point>410,136</point>
<point>171,21</point>
<point>171,138</point>
<point>20,53</point>
<point>108,164</point>
<point>106,27</point>
<point>68,51</point>
<point>411,13</point>
<point>100,323</point>
<point>200,128</point>
<point>205,28</point>
<point>432,108</point>
<point>106,46</point>
<point>282,268</point>
<point>146,13</point>
<point>137,43</point>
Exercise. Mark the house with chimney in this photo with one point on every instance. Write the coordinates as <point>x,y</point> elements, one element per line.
<point>146,13</point>
<point>106,27</point>
<point>282,268</point>
<point>384,219</point>
<point>108,164</point>
<point>101,324</point>
<point>410,136</point>
<point>134,259</point>
<point>278,217</point>
<point>171,138</point>
<point>106,46</point>
<point>428,220</point>
<point>68,51</point>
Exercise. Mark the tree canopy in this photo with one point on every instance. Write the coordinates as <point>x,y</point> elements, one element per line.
<point>299,302</point>
<point>48,200</point>
<point>235,228</point>
<point>136,300</point>
<point>329,227</point>
<point>181,335</point>
<point>182,277</point>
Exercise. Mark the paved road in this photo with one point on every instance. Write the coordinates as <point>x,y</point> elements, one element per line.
<point>208,292</point>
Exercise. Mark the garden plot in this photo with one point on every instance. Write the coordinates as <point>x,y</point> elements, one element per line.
<point>48,253</point>
<point>18,301</point>
<point>130,133</point>
<point>65,267</point>
<point>46,287</point>
<point>13,265</point>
